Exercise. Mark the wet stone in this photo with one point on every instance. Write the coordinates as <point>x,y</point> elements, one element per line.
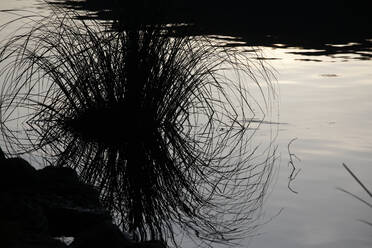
<point>38,206</point>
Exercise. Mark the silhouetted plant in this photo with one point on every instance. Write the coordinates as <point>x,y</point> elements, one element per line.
<point>159,124</point>
<point>366,202</point>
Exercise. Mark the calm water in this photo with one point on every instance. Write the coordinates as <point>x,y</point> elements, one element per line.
<point>326,103</point>
<point>328,107</point>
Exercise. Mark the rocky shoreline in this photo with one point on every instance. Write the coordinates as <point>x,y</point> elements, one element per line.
<point>38,207</point>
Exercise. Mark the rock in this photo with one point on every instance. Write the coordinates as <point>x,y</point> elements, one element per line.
<point>150,244</point>
<point>38,205</point>
<point>59,175</point>
<point>21,217</point>
<point>69,205</point>
<point>16,174</point>
<point>23,223</point>
<point>24,211</point>
<point>104,234</point>
<point>107,234</point>
<point>65,221</point>
<point>65,183</point>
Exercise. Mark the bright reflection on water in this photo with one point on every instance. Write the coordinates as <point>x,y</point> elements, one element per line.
<point>327,105</point>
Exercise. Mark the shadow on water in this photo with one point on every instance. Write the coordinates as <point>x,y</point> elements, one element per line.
<point>341,28</point>
<point>151,118</point>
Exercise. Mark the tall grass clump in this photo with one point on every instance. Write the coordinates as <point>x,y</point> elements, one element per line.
<point>158,123</point>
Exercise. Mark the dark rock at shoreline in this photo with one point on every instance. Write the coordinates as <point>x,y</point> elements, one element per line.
<point>36,206</point>
<point>104,234</point>
<point>70,205</point>
<point>16,174</point>
<point>107,234</point>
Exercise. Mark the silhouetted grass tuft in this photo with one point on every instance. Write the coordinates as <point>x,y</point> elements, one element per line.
<point>153,121</point>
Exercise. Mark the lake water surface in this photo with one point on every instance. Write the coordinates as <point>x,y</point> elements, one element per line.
<point>326,103</point>
<point>328,108</point>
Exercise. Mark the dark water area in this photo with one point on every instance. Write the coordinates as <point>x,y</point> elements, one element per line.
<point>320,54</point>
<point>330,28</point>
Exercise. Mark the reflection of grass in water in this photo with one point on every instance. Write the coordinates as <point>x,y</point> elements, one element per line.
<point>152,121</point>
<point>356,196</point>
